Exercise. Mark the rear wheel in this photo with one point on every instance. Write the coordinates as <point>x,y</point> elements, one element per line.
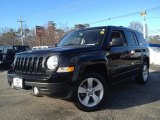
<point>91,92</point>
<point>144,74</point>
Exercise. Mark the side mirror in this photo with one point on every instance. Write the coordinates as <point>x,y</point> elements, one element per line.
<point>56,45</point>
<point>0,50</point>
<point>117,42</point>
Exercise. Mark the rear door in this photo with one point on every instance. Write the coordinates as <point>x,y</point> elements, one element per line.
<point>134,52</point>
<point>121,59</point>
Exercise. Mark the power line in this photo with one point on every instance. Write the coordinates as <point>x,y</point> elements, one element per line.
<point>117,17</point>
<point>126,15</point>
<point>153,9</point>
<point>64,9</point>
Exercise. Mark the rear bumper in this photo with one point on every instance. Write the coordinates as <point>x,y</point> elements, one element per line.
<point>55,84</point>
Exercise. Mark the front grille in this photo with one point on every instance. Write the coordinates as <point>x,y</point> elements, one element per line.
<point>30,65</point>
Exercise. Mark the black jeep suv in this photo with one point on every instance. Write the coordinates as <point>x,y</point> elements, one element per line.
<point>7,53</point>
<point>83,64</point>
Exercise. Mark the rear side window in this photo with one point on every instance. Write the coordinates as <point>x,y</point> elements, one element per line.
<point>130,38</point>
<point>140,38</point>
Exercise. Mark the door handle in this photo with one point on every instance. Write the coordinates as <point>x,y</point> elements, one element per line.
<point>132,52</point>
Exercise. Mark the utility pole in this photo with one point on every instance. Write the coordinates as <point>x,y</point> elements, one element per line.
<point>144,14</point>
<point>21,21</point>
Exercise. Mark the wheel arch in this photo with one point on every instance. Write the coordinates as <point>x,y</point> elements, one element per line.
<point>100,68</point>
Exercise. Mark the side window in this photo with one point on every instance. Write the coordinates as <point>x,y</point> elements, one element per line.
<point>130,38</point>
<point>117,34</point>
<point>140,38</point>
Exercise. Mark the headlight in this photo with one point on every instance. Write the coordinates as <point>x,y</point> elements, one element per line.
<point>52,62</point>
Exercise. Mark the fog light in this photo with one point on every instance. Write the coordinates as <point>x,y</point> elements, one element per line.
<point>36,91</point>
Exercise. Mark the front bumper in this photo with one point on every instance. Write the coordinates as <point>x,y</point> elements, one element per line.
<point>57,84</point>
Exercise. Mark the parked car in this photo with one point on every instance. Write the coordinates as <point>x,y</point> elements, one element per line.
<point>83,65</point>
<point>8,52</point>
<point>1,57</point>
<point>40,47</point>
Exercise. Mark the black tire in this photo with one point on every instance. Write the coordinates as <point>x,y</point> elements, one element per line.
<point>95,96</point>
<point>144,74</point>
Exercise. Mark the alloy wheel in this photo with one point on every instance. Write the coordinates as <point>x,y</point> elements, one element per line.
<point>90,92</point>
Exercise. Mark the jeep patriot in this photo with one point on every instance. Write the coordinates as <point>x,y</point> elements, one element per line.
<point>83,65</point>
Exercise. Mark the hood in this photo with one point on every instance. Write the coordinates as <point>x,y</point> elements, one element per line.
<point>63,50</point>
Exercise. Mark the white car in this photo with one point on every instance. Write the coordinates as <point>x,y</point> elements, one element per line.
<point>40,47</point>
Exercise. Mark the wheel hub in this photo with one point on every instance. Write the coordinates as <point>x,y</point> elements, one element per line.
<point>90,92</point>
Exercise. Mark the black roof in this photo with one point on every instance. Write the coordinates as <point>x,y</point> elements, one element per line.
<point>116,27</point>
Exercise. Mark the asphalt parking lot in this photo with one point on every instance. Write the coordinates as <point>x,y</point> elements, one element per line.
<point>126,101</point>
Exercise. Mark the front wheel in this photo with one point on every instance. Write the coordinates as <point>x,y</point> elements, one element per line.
<point>91,92</point>
<point>144,74</point>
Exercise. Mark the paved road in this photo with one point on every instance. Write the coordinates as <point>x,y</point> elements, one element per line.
<point>127,101</point>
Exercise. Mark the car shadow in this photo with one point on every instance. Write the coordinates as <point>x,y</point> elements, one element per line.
<point>129,94</point>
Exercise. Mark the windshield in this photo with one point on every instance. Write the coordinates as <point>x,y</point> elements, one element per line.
<point>83,37</point>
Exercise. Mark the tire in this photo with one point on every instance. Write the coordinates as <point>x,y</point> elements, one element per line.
<point>144,74</point>
<point>91,92</point>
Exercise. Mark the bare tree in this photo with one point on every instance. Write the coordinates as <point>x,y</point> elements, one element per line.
<point>52,35</point>
<point>81,26</point>
<point>8,36</point>
<point>136,26</point>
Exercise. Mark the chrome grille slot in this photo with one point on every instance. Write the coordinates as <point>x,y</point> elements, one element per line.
<point>34,66</point>
<point>40,63</point>
<point>18,63</point>
<point>25,64</point>
<point>21,64</point>
<point>30,65</point>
